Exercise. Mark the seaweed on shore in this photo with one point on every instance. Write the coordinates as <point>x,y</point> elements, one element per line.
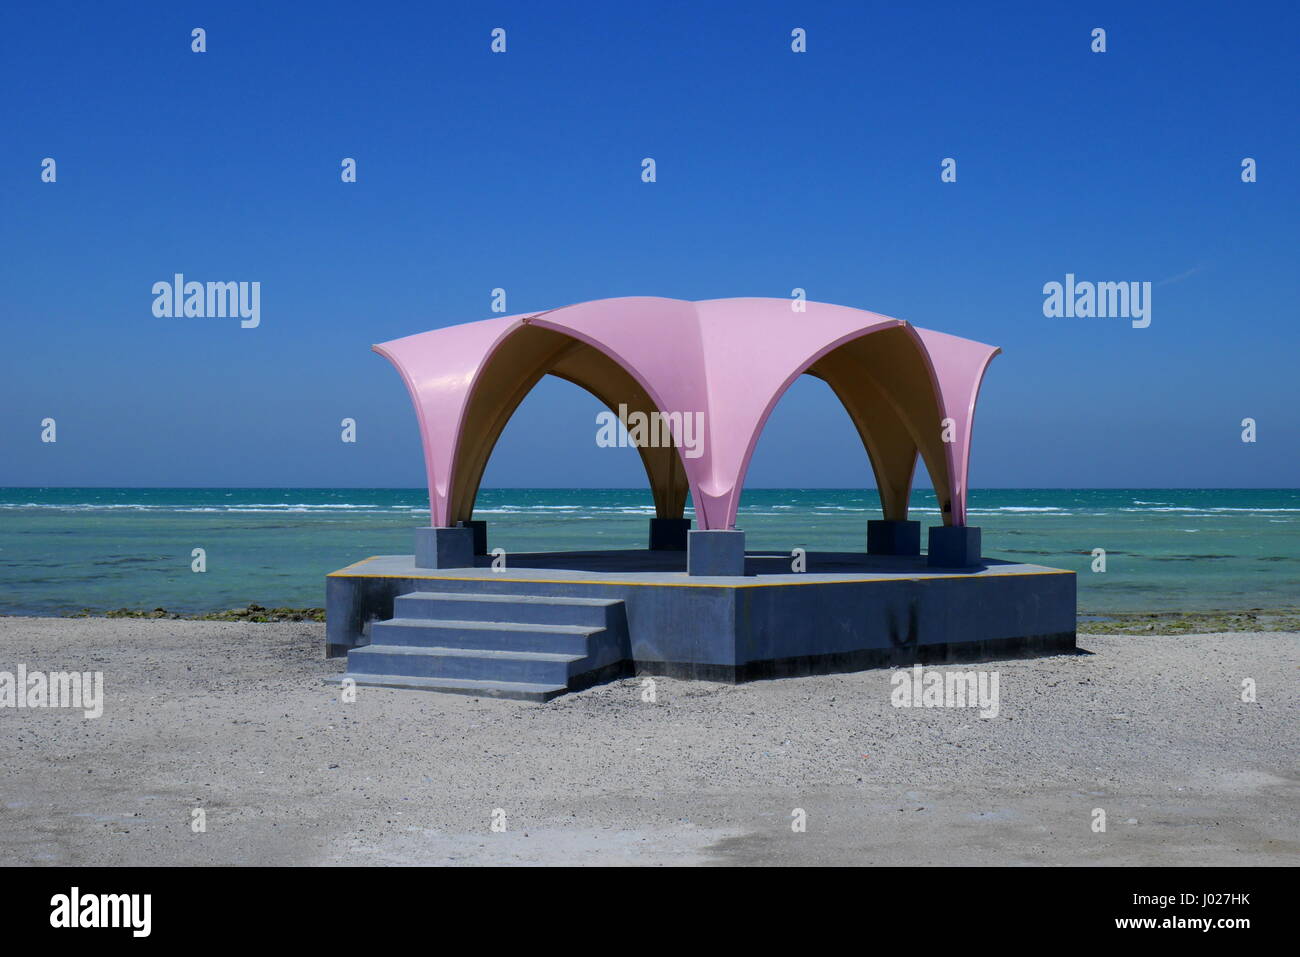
<point>1089,623</point>
<point>253,612</point>
<point>1188,622</point>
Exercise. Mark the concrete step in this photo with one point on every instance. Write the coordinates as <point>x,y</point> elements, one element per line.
<point>533,667</point>
<point>518,609</point>
<point>531,647</point>
<point>485,635</point>
<point>518,690</point>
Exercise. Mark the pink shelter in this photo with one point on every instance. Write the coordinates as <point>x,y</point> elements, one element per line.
<point>910,392</point>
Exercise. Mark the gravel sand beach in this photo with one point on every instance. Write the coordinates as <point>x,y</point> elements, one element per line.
<point>235,718</point>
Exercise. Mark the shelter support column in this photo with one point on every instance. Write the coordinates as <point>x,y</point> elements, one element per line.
<point>954,546</point>
<point>444,547</point>
<point>715,551</point>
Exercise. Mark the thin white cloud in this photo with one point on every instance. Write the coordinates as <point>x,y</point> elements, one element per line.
<point>1180,277</point>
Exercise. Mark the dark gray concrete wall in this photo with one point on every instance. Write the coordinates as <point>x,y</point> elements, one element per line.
<point>829,627</point>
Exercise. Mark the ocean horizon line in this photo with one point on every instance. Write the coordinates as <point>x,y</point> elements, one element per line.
<point>646,488</point>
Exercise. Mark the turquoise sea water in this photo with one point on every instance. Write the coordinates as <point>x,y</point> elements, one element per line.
<point>66,549</point>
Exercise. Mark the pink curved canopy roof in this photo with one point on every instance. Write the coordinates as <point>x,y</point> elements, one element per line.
<point>727,361</point>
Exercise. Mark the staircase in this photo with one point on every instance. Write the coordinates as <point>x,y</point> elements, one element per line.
<point>529,647</point>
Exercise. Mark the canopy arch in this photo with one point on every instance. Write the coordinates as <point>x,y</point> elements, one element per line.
<point>908,391</point>
<point>512,372</point>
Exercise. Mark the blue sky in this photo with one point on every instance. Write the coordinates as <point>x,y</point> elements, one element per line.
<point>522,171</point>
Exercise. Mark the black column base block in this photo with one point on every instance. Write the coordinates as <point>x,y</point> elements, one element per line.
<point>480,534</point>
<point>669,534</point>
<point>888,537</point>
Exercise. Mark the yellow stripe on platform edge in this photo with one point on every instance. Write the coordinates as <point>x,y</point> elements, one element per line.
<point>348,573</point>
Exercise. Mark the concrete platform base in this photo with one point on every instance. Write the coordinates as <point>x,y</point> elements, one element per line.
<point>553,622</point>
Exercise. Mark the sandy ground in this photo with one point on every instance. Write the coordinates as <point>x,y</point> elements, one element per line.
<point>234,718</point>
